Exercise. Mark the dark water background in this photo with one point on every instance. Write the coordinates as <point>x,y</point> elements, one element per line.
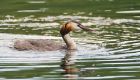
<point>111,53</point>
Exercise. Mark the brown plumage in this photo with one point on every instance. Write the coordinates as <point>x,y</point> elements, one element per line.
<point>66,28</point>
<point>37,45</point>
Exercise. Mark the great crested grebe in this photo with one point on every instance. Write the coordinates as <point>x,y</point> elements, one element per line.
<point>49,45</point>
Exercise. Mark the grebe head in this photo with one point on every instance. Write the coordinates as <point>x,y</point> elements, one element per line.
<point>70,26</point>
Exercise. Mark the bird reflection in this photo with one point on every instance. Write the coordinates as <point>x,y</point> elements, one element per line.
<point>69,66</point>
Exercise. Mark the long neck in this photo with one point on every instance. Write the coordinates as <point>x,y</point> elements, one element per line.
<point>69,42</point>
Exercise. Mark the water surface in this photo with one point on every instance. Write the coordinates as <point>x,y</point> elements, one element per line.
<point>112,52</point>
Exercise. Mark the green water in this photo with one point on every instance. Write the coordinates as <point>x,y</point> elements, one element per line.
<point>105,8</point>
<point>112,52</point>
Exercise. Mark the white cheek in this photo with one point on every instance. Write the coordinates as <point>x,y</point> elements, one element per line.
<point>75,26</point>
